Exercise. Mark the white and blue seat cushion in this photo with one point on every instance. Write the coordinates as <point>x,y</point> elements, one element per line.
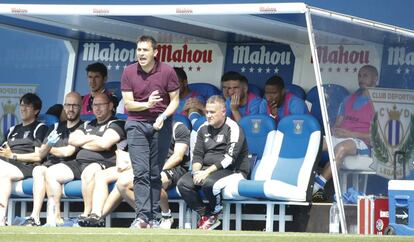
<point>285,170</point>
<point>72,189</point>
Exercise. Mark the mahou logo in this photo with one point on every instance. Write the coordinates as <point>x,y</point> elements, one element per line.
<point>167,53</point>
<point>397,56</point>
<point>19,10</point>
<point>100,11</point>
<point>243,55</point>
<point>267,9</point>
<point>339,55</point>
<point>93,52</point>
<point>184,10</point>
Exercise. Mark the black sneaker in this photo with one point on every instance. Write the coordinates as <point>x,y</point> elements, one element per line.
<point>82,221</point>
<point>95,221</point>
<point>31,222</point>
<point>319,196</point>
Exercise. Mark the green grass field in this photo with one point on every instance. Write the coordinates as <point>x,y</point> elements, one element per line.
<point>29,234</point>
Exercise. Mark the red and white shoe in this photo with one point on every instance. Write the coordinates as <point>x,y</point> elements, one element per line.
<point>209,223</point>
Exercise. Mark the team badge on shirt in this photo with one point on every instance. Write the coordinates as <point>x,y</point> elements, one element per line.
<point>26,134</point>
<point>13,136</point>
<point>220,138</point>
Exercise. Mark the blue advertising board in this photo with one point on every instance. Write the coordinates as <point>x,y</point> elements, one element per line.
<point>258,62</point>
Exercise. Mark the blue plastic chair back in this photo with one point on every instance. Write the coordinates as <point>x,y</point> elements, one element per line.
<point>256,127</point>
<point>297,90</point>
<point>205,89</point>
<point>256,90</point>
<point>114,88</point>
<point>183,119</point>
<point>48,119</point>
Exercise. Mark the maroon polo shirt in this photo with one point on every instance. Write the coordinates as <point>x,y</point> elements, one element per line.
<point>162,77</point>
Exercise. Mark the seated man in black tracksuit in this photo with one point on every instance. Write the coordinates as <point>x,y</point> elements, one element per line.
<point>220,155</point>
<point>97,141</point>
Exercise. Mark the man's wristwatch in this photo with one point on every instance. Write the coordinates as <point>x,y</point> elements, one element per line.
<point>14,157</point>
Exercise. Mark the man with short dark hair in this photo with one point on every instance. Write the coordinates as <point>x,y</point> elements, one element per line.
<point>150,90</point>
<point>240,102</point>
<point>20,153</point>
<point>220,155</point>
<point>97,75</point>
<point>279,103</point>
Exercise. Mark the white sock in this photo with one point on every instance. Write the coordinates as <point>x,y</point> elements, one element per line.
<point>167,214</point>
<point>2,215</point>
<point>51,215</point>
<point>316,187</point>
<point>320,182</point>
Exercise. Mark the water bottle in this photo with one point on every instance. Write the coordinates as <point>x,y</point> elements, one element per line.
<point>187,224</point>
<point>334,219</point>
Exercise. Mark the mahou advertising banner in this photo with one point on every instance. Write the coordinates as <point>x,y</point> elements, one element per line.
<point>339,64</point>
<point>398,67</point>
<point>202,62</point>
<point>258,62</point>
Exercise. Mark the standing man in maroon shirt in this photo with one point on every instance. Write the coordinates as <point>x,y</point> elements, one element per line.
<point>150,90</point>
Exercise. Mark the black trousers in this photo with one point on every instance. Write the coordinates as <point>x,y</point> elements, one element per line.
<point>147,149</point>
<point>211,188</point>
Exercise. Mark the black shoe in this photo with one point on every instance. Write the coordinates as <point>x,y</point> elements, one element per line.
<point>95,221</point>
<point>82,221</point>
<point>31,222</point>
<point>319,196</point>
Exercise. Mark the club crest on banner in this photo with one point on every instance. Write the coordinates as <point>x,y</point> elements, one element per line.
<point>392,131</point>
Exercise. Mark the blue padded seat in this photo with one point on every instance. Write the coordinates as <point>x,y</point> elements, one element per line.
<point>255,128</point>
<point>255,89</point>
<point>22,188</point>
<point>114,88</point>
<point>286,170</point>
<point>183,119</point>
<point>48,119</point>
<point>174,193</point>
<point>72,189</point>
<point>334,95</point>
<point>205,89</point>
<point>297,90</point>
<point>87,117</point>
<point>122,116</point>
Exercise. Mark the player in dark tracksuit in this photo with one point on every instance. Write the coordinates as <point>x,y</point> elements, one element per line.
<point>220,154</point>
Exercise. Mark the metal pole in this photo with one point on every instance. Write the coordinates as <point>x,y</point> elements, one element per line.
<point>326,125</point>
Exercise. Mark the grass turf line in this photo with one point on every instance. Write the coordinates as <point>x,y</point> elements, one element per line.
<point>35,234</point>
